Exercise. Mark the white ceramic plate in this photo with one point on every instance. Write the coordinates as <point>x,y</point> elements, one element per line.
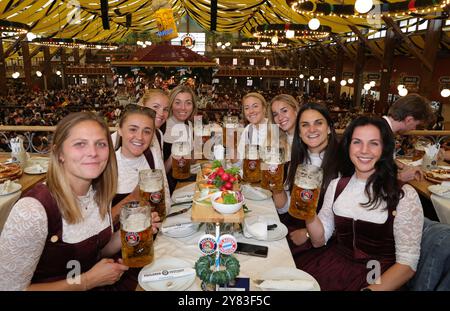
<point>35,169</point>
<point>440,190</point>
<point>166,263</point>
<point>13,188</point>
<point>181,233</point>
<point>276,234</point>
<point>288,273</point>
<point>255,193</point>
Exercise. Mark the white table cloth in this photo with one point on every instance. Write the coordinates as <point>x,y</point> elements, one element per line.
<point>442,208</point>
<point>279,254</point>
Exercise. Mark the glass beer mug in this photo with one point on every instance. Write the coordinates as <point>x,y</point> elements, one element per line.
<point>252,165</point>
<point>306,191</point>
<point>151,189</point>
<point>136,235</point>
<point>181,163</point>
<point>273,169</point>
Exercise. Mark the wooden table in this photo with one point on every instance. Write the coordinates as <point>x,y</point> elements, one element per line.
<point>27,181</point>
<point>422,187</point>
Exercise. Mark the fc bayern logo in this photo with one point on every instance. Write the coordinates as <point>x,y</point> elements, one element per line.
<point>155,197</point>
<point>252,165</point>
<point>181,162</point>
<point>132,238</point>
<point>306,195</point>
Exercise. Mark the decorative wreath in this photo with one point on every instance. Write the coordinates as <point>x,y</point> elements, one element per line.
<point>204,272</point>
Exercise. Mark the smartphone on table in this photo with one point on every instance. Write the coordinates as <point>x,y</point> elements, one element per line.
<point>252,249</point>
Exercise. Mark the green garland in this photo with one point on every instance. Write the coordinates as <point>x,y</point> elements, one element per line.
<point>204,272</point>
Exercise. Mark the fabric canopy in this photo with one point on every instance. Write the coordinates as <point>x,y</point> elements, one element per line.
<point>83,19</point>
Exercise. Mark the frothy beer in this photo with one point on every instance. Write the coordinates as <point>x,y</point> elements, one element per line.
<point>137,236</point>
<point>152,193</point>
<point>272,176</point>
<point>181,163</point>
<point>252,165</point>
<point>305,192</point>
<point>273,169</point>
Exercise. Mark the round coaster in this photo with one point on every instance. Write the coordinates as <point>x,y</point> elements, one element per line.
<point>207,244</point>
<point>227,244</point>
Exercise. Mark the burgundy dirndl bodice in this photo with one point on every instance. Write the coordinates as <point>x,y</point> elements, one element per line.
<point>343,266</point>
<point>53,263</point>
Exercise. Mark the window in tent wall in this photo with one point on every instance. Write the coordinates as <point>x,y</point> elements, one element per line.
<point>252,62</point>
<point>267,62</point>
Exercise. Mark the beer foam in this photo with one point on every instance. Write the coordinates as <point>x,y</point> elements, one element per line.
<point>307,183</point>
<point>136,223</point>
<point>151,185</point>
<point>253,153</point>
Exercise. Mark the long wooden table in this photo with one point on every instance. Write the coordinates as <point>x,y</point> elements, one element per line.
<point>27,181</point>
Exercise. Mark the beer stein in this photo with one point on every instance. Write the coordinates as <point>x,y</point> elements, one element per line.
<point>151,189</point>
<point>136,235</point>
<point>181,163</point>
<point>306,191</point>
<point>252,165</point>
<point>273,169</point>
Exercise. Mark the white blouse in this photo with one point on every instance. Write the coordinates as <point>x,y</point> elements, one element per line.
<point>128,170</point>
<point>408,221</point>
<point>24,234</point>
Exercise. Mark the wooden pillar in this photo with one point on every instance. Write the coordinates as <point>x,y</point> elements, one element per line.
<point>386,71</point>
<point>26,62</point>
<point>76,56</point>
<point>339,69</point>
<point>63,68</point>
<point>359,71</point>
<point>3,88</point>
<point>432,41</point>
<point>47,69</point>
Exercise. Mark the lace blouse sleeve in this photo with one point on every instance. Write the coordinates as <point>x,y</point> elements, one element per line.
<point>326,214</point>
<point>21,243</point>
<point>408,225</point>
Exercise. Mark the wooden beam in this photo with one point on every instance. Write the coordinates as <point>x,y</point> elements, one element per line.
<point>319,61</point>
<point>411,47</point>
<point>339,69</point>
<point>363,38</point>
<point>359,72</point>
<point>47,68</point>
<point>432,41</point>
<point>337,39</point>
<point>3,89</point>
<point>325,51</point>
<point>14,46</point>
<point>386,71</point>
<point>35,51</point>
<point>76,56</point>
<point>26,62</point>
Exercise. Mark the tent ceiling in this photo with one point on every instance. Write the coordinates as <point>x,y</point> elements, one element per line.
<point>82,19</point>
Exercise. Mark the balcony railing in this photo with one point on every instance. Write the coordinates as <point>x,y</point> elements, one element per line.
<point>37,138</point>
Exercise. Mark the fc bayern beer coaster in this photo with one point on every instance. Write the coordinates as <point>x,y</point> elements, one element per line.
<point>227,244</point>
<point>207,244</point>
